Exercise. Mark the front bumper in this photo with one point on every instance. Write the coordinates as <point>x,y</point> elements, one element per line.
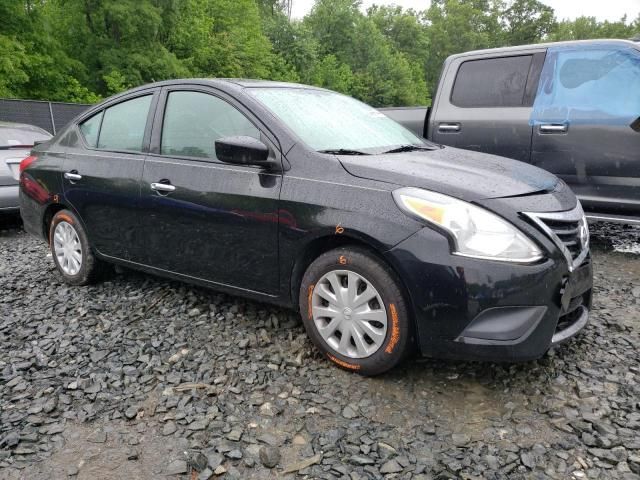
<point>472,309</point>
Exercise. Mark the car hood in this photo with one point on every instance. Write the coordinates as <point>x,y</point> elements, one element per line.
<point>463,174</point>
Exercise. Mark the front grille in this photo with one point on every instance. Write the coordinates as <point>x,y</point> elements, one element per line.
<point>574,312</point>
<point>568,230</point>
<point>569,234</point>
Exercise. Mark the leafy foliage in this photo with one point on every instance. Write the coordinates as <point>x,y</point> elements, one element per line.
<point>84,50</point>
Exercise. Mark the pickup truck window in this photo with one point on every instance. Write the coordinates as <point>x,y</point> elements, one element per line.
<point>327,120</point>
<point>589,85</point>
<point>491,82</point>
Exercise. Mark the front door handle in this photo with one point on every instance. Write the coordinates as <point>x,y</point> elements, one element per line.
<point>72,176</point>
<point>554,128</point>
<point>449,127</point>
<point>163,187</point>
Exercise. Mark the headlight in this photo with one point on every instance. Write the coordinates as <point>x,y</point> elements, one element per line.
<point>476,231</point>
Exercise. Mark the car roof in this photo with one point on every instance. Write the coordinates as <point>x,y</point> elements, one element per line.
<point>610,41</point>
<point>222,83</point>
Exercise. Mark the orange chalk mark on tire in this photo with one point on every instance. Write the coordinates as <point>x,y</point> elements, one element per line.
<point>350,366</point>
<point>395,329</point>
<point>339,229</point>
<point>309,305</point>
<point>342,260</point>
<point>66,218</point>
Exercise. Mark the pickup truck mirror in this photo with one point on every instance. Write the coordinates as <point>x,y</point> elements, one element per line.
<point>243,150</point>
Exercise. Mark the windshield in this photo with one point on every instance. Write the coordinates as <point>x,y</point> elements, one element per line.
<point>331,121</point>
<point>11,136</point>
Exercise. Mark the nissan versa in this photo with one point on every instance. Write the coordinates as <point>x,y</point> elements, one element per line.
<point>309,199</point>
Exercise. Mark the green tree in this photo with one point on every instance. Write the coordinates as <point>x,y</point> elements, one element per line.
<point>456,26</point>
<point>527,21</point>
<point>583,28</point>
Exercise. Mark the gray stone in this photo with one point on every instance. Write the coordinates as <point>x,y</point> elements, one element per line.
<point>392,466</point>
<point>269,456</point>
<point>176,467</point>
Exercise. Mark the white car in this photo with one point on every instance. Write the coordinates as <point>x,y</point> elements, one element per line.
<point>16,141</point>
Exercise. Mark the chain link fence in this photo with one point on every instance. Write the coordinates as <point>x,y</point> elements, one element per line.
<point>52,116</point>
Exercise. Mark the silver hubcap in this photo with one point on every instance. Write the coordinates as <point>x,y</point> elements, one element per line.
<point>349,314</point>
<point>67,248</point>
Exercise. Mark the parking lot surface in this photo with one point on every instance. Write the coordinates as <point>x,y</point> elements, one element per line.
<point>140,377</point>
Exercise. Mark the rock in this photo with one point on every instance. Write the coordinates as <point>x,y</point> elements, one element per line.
<point>97,436</point>
<point>268,409</point>
<point>10,440</point>
<point>302,464</point>
<point>176,467</point>
<point>269,456</point>
<point>197,460</point>
<point>349,413</point>
<point>460,439</point>
<point>205,474</point>
<point>131,412</point>
<point>234,454</point>
<point>198,424</point>
<point>235,435</point>
<point>214,459</point>
<point>392,466</point>
<point>169,428</point>
<point>386,451</point>
<point>360,460</point>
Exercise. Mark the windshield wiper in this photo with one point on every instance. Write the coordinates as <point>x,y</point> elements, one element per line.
<point>409,148</point>
<point>344,151</point>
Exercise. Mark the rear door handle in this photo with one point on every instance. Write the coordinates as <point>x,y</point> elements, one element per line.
<point>72,176</point>
<point>554,128</point>
<point>163,187</point>
<point>449,127</point>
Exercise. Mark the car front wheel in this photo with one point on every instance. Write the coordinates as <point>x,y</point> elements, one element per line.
<point>354,311</point>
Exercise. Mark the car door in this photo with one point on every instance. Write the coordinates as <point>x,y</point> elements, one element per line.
<point>103,169</point>
<point>586,121</point>
<point>203,218</point>
<point>487,104</point>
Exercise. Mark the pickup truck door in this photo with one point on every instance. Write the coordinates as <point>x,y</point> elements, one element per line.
<point>586,121</point>
<point>484,103</point>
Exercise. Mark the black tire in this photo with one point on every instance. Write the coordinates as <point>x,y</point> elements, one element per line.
<point>90,267</point>
<point>398,340</point>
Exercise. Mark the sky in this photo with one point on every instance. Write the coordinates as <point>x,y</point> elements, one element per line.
<point>602,10</point>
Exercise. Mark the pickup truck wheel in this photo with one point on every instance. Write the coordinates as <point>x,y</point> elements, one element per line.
<point>70,249</point>
<point>354,311</point>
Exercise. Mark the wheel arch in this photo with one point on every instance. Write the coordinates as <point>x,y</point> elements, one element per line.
<point>325,243</point>
<point>49,213</point>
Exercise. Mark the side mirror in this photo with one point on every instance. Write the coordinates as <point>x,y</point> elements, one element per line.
<point>243,150</point>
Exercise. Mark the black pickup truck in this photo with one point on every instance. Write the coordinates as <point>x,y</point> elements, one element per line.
<point>572,108</point>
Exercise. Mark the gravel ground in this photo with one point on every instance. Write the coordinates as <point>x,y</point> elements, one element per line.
<point>140,377</point>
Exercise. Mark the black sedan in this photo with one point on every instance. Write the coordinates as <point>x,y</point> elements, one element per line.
<point>309,199</point>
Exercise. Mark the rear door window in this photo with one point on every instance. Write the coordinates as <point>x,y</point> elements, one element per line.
<point>597,84</point>
<point>90,129</point>
<point>124,124</point>
<point>491,82</point>
<point>193,121</point>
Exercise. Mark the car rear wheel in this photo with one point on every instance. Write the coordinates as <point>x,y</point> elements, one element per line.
<point>70,249</point>
<point>354,311</point>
